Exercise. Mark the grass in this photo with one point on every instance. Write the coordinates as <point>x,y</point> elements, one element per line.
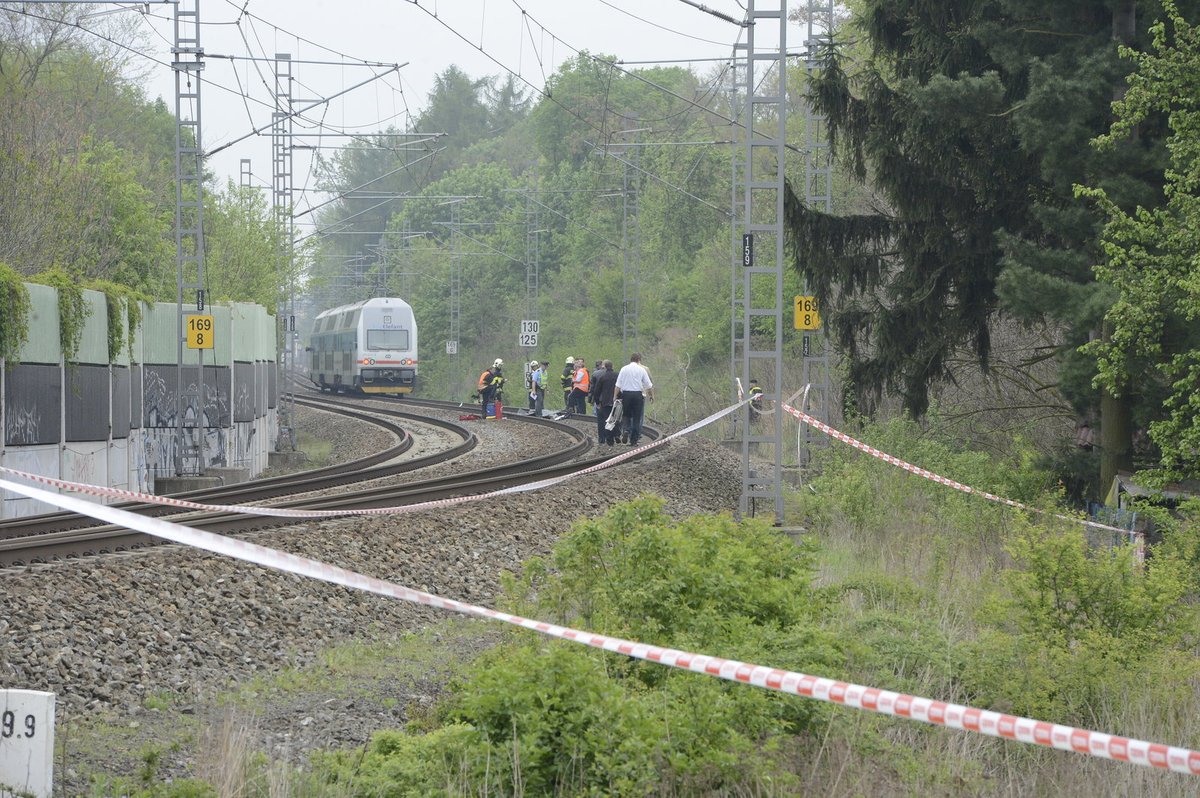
<point>316,451</point>
<point>921,557</point>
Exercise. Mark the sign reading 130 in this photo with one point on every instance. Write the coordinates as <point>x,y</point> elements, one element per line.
<point>807,317</point>
<point>529,332</point>
<point>200,332</point>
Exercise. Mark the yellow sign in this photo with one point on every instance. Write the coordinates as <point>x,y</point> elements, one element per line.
<point>200,332</point>
<point>807,317</point>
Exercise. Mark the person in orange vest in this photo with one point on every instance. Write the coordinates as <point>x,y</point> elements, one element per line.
<point>491,384</point>
<point>581,384</point>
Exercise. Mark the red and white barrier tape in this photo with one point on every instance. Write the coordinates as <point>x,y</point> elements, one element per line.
<point>885,702</point>
<point>283,512</point>
<point>1135,538</point>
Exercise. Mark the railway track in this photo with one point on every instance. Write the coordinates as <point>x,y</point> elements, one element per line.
<point>60,536</point>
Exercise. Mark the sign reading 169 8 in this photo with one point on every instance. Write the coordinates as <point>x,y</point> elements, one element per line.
<point>200,332</point>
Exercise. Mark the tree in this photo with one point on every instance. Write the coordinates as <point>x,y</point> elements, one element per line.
<point>1152,253</point>
<point>973,121</point>
<point>457,108</point>
<point>85,158</point>
<point>245,256</point>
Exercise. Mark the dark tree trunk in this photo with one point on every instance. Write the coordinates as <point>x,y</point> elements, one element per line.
<point>1116,417</point>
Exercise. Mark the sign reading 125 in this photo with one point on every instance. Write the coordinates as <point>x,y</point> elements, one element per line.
<point>200,332</point>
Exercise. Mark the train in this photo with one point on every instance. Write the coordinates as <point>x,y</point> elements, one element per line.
<point>365,347</point>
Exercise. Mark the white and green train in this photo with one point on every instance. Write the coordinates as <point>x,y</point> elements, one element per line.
<point>366,347</point>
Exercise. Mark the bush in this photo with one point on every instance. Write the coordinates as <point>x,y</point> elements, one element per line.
<point>1071,628</point>
<point>550,717</point>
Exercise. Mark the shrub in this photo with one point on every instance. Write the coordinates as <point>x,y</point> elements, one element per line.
<point>1073,627</point>
<point>549,717</point>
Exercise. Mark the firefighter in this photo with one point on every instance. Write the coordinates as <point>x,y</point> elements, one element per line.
<point>567,380</point>
<point>491,386</point>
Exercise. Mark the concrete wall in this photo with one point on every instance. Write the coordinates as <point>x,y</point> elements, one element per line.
<point>116,423</point>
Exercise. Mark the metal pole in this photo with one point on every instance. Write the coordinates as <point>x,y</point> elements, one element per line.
<point>189,195</point>
<point>281,182</point>
<point>762,251</point>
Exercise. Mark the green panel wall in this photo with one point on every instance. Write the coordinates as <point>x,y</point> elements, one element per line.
<point>246,321</point>
<point>266,340</point>
<point>160,341</point>
<point>227,336</point>
<point>42,344</point>
<point>93,348</point>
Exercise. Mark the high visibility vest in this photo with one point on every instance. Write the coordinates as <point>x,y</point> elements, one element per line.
<point>485,378</point>
<point>583,380</point>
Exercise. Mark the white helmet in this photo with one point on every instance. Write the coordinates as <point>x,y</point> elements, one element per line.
<point>498,363</point>
<point>533,364</point>
<point>570,361</point>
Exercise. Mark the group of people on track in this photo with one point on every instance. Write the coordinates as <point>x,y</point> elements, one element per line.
<point>618,398</point>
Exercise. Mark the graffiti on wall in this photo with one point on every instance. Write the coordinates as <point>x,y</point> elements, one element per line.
<point>21,425</point>
<point>204,439</point>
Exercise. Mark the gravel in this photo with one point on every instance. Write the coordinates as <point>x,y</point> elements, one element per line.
<point>108,635</point>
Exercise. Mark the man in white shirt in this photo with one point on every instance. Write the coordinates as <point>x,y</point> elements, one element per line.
<point>634,389</point>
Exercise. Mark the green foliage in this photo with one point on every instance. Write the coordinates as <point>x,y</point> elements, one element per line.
<point>1151,251</point>
<point>403,765</point>
<point>246,258</point>
<point>863,489</point>
<point>705,584</point>
<point>72,309</point>
<point>635,573</point>
<point>124,308</point>
<point>973,125</point>
<point>548,718</point>
<point>14,315</point>
<point>1074,627</point>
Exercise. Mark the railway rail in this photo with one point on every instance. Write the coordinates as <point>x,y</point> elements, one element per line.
<point>60,536</point>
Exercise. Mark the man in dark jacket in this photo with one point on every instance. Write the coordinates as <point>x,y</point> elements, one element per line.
<point>603,390</point>
<point>597,372</point>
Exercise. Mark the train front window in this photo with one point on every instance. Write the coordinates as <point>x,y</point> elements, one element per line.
<point>387,339</point>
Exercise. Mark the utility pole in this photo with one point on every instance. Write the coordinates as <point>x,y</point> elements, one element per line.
<point>532,281</point>
<point>453,344</point>
<point>631,236</point>
<point>758,296</point>
<point>187,62</point>
<point>281,187</point>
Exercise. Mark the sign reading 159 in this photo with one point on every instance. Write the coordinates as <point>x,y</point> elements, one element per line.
<point>200,332</point>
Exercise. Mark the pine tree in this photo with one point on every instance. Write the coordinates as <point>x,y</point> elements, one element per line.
<point>974,122</point>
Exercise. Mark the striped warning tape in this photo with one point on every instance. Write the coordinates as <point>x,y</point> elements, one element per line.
<point>284,512</point>
<point>1136,539</point>
<point>885,702</point>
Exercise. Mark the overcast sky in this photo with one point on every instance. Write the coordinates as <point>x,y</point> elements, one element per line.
<point>483,37</point>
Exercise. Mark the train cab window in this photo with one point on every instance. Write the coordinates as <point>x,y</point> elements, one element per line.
<point>387,339</point>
